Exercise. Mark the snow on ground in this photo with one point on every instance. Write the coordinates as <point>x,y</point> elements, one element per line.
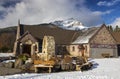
<point>103,69</point>
<point>6,54</point>
<point>7,61</point>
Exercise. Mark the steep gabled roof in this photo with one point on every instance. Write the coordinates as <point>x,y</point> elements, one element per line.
<point>61,36</point>
<point>89,34</point>
<point>103,26</point>
<point>116,35</point>
<point>27,36</point>
<point>86,35</point>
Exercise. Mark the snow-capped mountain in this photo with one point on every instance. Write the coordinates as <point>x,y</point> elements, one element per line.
<point>70,24</point>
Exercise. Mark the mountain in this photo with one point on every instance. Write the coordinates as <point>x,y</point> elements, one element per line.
<point>70,24</point>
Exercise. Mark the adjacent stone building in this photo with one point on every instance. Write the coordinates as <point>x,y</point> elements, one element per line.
<point>98,42</point>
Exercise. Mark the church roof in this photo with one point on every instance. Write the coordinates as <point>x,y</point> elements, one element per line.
<point>91,32</point>
<point>116,36</point>
<point>61,36</point>
<point>86,35</point>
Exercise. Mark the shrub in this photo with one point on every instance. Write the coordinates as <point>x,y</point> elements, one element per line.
<point>4,49</point>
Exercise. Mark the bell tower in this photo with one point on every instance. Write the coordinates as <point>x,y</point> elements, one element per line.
<point>15,49</point>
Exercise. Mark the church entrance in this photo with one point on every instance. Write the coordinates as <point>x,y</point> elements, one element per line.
<point>26,49</point>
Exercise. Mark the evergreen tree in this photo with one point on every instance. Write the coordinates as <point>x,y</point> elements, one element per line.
<point>110,28</point>
<point>116,28</point>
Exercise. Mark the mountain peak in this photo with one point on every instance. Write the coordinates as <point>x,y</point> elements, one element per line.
<point>70,24</point>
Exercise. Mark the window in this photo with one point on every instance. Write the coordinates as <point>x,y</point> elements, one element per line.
<point>73,48</point>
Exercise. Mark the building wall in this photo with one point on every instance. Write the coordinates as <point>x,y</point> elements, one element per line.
<point>98,52</point>
<point>75,50</point>
<point>102,43</point>
<point>103,37</point>
<point>62,49</point>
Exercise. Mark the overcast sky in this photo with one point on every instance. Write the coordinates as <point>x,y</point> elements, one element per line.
<point>89,12</point>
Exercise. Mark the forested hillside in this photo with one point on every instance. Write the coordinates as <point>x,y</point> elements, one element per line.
<point>7,38</point>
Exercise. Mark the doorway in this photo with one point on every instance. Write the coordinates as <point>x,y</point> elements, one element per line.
<point>26,49</point>
<point>118,49</point>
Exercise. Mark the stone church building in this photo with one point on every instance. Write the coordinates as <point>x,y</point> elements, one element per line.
<point>43,38</point>
<point>50,40</point>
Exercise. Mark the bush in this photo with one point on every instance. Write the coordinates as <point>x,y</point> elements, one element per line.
<point>4,49</point>
<point>23,57</point>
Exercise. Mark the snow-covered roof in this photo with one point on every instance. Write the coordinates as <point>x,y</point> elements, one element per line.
<point>86,35</point>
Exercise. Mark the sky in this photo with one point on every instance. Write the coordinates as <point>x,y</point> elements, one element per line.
<point>89,12</point>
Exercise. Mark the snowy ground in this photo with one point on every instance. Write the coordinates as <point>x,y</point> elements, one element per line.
<point>6,54</point>
<point>103,69</point>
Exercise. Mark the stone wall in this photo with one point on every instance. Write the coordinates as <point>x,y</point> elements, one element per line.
<point>102,43</point>
<point>48,47</point>
<point>75,50</point>
<point>103,37</point>
<point>98,52</point>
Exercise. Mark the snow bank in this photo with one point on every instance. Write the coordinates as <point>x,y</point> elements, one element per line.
<point>7,61</point>
<point>103,69</point>
<point>6,54</point>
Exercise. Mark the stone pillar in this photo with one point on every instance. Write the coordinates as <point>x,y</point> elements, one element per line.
<point>32,49</point>
<point>48,47</point>
<point>37,44</point>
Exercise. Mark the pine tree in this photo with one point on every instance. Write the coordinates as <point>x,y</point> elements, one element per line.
<point>110,28</point>
<point>116,28</point>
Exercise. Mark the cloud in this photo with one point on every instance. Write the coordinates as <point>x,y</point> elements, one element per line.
<point>43,11</point>
<point>105,3</point>
<point>102,13</point>
<point>116,22</point>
